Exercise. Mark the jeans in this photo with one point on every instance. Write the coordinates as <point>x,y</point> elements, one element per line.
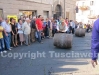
<point>87,30</point>
<point>39,36</point>
<point>2,45</point>
<point>9,37</point>
<point>7,40</point>
<point>70,29</point>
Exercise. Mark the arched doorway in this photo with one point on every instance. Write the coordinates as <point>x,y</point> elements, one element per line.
<point>58,11</point>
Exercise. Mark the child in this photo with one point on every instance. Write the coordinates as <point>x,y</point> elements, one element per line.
<point>1,40</point>
<point>54,27</point>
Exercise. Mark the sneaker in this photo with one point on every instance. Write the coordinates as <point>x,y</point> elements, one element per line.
<point>27,45</point>
<point>42,38</point>
<point>5,51</point>
<point>9,49</point>
<point>1,52</point>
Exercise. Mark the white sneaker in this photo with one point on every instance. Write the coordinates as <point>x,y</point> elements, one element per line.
<point>9,49</point>
<point>1,52</point>
<point>5,51</point>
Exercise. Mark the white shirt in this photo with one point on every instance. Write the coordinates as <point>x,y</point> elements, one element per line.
<point>80,26</point>
<point>62,28</point>
<point>20,28</point>
<point>72,24</point>
<point>26,28</point>
<point>6,26</point>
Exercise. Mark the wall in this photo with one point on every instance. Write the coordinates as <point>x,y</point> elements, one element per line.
<point>84,17</point>
<point>68,6</point>
<point>12,7</point>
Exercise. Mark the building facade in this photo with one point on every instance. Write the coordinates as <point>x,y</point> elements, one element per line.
<point>47,8</point>
<point>88,11</point>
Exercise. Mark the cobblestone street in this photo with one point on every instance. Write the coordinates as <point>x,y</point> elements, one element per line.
<point>48,65</point>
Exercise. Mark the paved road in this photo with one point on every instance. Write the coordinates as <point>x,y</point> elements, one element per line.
<point>45,59</point>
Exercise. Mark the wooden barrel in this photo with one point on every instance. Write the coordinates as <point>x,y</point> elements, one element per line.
<point>80,32</point>
<point>63,40</point>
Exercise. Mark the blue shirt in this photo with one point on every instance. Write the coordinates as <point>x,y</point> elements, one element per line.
<point>6,26</point>
<point>95,40</point>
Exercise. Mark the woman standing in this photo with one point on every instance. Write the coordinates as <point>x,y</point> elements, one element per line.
<point>14,32</point>
<point>20,31</point>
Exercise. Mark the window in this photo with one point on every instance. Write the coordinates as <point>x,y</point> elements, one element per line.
<point>91,12</point>
<point>91,3</point>
<point>27,13</point>
<point>77,9</point>
<point>1,13</point>
<point>46,14</point>
<point>83,4</point>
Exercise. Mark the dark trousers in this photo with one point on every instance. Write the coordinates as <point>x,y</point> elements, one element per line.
<point>1,44</point>
<point>46,31</point>
<point>54,31</point>
<point>87,30</point>
<point>72,30</point>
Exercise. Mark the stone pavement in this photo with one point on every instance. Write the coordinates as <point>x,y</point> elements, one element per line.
<point>75,61</point>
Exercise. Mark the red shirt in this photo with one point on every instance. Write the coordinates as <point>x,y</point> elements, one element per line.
<point>39,24</point>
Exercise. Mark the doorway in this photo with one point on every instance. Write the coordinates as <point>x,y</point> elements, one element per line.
<point>58,11</point>
<point>1,13</point>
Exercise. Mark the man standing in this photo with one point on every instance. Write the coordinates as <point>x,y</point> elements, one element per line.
<point>7,33</point>
<point>33,29</point>
<point>50,28</point>
<point>47,28</point>
<point>49,32</point>
<point>26,29</point>
<point>95,42</point>
<point>72,26</point>
<point>39,26</point>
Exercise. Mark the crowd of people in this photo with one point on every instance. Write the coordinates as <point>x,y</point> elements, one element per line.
<point>88,27</point>
<point>30,29</point>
